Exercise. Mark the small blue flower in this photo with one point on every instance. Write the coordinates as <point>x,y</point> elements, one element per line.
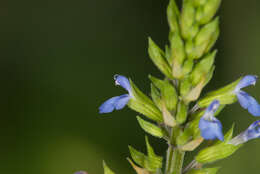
<point>245,100</point>
<point>252,132</point>
<point>118,102</point>
<point>210,127</point>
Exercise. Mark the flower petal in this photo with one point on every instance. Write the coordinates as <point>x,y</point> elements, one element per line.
<point>211,129</point>
<point>246,81</point>
<point>248,102</point>
<point>117,103</point>
<point>212,108</point>
<point>122,101</point>
<point>123,81</point>
<point>253,131</point>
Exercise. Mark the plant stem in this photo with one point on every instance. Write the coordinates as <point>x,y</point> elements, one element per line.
<point>174,160</point>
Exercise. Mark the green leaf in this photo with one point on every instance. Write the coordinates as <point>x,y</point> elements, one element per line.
<point>218,151</point>
<point>154,161</point>
<point>137,156</point>
<point>157,56</point>
<point>150,128</point>
<point>107,170</point>
<point>204,171</point>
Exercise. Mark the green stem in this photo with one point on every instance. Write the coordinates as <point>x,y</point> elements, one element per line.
<point>174,160</point>
<point>177,161</point>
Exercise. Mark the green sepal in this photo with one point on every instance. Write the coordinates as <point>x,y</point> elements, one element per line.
<point>168,92</point>
<point>185,86</point>
<point>224,95</point>
<point>206,12</point>
<point>107,170</point>
<point>143,104</point>
<point>218,151</point>
<point>204,171</point>
<point>182,112</point>
<point>187,67</point>
<point>156,96</point>
<point>150,128</point>
<point>187,20</point>
<point>202,68</point>
<point>172,15</point>
<point>158,58</point>
<point>177,55</point>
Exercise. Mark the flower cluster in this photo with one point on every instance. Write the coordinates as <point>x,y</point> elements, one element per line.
<point>211,127</point>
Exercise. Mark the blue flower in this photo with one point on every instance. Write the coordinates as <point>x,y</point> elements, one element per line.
<point>210,127</point>
<point>252,132</point>
<point>245,100</point>
<point>118,102</point>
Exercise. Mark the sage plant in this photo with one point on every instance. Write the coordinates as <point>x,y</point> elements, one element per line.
<point>175,112</point>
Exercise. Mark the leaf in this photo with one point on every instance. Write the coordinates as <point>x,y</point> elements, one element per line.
<point>137,169</point>
<point>150,128</point>
<point>107,170</point>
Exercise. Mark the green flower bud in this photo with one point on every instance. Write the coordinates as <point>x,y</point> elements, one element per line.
<point>206,12</point>
<point>202,68</point>
<point>217,151</point>
<point>187,19</point>
<point>157,56</point>
<point>107,170</point>
<point>204,171</point>
<point>198,3</point>
<point>172,14</point>
<point>150,128</point>
<point>144,105</point>
<point>224,95</point>
<point>182,112</point>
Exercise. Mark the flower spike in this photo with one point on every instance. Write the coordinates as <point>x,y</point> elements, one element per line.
<point>118,102</point>
<point>210,127</point>
<point>252,132</point>
<point>245,100</point>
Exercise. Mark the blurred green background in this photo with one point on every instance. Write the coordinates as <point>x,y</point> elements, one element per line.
<point>58,59</point>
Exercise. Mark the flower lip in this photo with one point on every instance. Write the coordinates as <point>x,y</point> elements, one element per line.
<point>246,81</point>
<point>123,82</point>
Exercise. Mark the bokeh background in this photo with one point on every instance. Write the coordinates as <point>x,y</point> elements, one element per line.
<point>58,59</point>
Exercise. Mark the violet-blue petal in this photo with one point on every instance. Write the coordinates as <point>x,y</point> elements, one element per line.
<point>253,131</point>
<point>246,81</point>
<point>122,101</point>
<point>213,107</point>
<point>123,81</point>
<point>113,103</point>
<point>211,129</point>
<point>248,102</point>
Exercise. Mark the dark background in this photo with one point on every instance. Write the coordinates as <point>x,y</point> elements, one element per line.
<point>58,59</point>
